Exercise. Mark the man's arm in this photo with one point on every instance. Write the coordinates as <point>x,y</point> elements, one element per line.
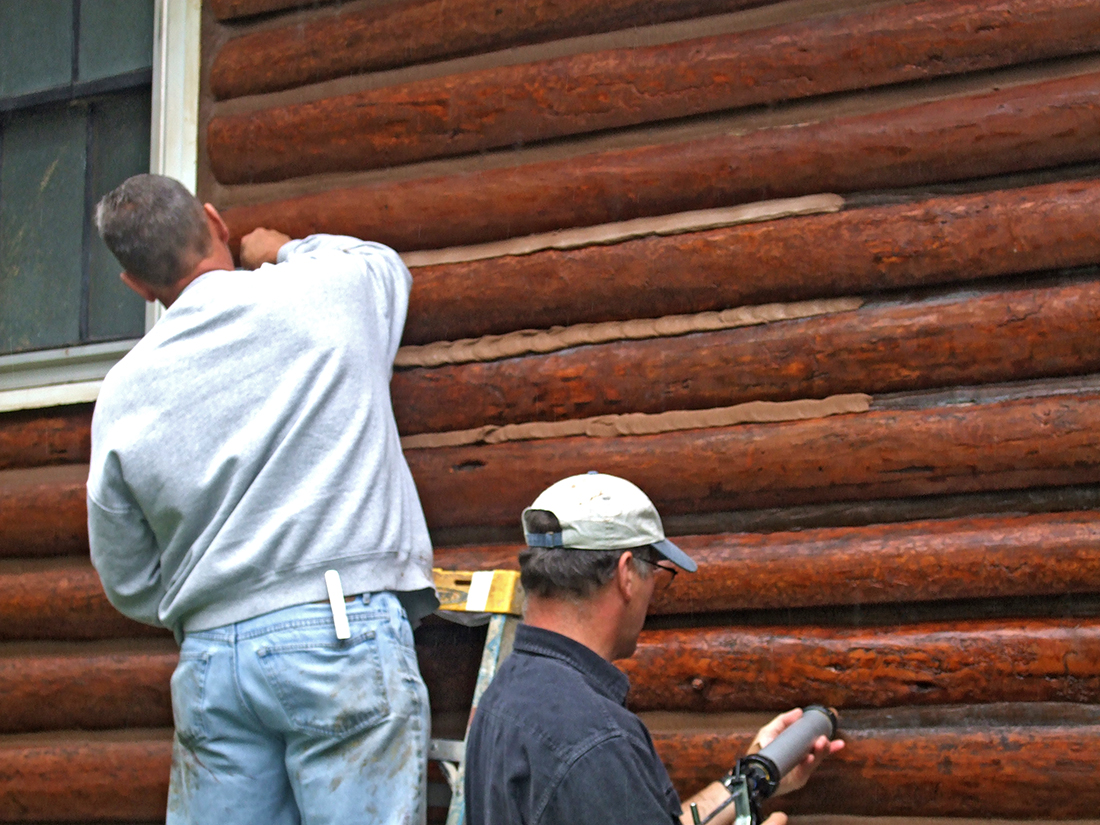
<point>127,559</point>
<point>383,270</point>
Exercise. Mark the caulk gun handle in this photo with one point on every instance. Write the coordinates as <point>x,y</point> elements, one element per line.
<point>794,743</point>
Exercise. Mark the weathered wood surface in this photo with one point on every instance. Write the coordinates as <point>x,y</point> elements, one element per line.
<point>717,669</point>
<point>1007,130</point>
<point>1008,770</point>
<point>1006,556</point>
<point>61,435</point>
<point>886,454</point>
<point>527,103</point>
<point>59,598</point>
<point>85,777</point>
<point>967,558</point>
<point>938,240</point>
<point>943,341</point>
<point>87,685</point>
<point>879,454</point>
<point>350,41</point>
<point>43,511</point>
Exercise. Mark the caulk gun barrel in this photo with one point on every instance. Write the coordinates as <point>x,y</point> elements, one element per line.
<point>792,745</point>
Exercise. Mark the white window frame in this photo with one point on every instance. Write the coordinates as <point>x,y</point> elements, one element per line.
<point>73,375</point>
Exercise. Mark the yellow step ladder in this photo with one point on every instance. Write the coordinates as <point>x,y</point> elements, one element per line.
<point>498,594</point>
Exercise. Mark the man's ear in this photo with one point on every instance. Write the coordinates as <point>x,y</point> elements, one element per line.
<point>221,231</point>
<point>626,575</point>
<point>139,286</point>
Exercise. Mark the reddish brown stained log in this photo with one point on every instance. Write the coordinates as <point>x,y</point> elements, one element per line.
<point>90,685</point>
<point>43,511</point>
<point>59,598</point>
<point>527,103</point>
<point>966,558</point>
<point>85,777</point>
<point>773,668</point>
<point>879,454</point>
<point>61,435</point>
<point>962,339</point>
<point>1002,771</point>
<point>1008,130</point>
<point>861,250</point>
<point>401,34</point>
<point>229,9</point>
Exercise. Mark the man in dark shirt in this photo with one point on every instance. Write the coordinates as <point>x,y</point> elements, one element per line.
<point>552,741</point>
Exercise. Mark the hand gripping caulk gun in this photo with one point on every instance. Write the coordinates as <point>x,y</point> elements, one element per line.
<point>755,777</point>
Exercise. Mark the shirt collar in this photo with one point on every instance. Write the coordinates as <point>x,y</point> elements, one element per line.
<point>604,677</point>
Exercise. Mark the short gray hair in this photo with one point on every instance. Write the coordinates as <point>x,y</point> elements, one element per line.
<point>155,227</point>
<point>566,573</point>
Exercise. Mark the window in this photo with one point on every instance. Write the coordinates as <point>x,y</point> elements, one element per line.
<point>75,83</point>
<point>81,84</point>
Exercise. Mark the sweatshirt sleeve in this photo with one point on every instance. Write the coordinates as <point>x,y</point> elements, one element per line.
<point>381,267</point>
<point>124,549</point>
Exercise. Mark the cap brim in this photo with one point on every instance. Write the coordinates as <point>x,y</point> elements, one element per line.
<point>675,555</point>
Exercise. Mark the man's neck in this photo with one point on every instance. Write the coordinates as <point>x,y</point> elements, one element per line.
<point>582,621</point>
<point>220,258</point>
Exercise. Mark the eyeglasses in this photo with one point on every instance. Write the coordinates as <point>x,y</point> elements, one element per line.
<point>662,583</point>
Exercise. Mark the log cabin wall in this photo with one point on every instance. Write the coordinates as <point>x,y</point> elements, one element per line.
<point>822,277</point>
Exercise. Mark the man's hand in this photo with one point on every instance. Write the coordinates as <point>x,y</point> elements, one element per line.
<point>800,773</point>
<point>261,246</point>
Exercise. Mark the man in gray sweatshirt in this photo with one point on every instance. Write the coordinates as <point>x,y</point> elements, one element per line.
<point>243,449</point>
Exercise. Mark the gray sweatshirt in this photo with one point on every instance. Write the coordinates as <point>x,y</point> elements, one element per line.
<point>247,444</point>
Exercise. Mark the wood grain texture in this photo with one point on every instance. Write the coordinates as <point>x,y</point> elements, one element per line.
<point>939,240</point>
<point>60,598</point>
<point>90,685</point>
<point>578,94</point>
<point>717,669</point>
<point>1005,556</point>
<point>353,40</point>
<point>85,777</point>
<point>879,454</point>
<point>958,339</point>
<point>1007,130</point>
<point>30,438</point>
<point>967,558</point>
<point>43,511</point>
<point>1007,770</point>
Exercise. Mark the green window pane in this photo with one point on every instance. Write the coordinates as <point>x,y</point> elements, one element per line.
<point>41,228</point>
<point>116,36</point>
<point>119,148</point>
<point>36,45</point>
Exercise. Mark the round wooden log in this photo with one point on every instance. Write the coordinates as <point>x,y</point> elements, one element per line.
<point>879,454</point>
<point>945,341</point>
<point>773,668</point>
<point>940,240</point>
<point>1010,771</point>
<point>966,558</point>
<point>1008,130</point>
<point>85,777</point>
<point>90,685</point>
<point>590,92</point>
<point>61,435</point>
<point>59,598</point>
<point>43,511</point>
<point>351,41</point>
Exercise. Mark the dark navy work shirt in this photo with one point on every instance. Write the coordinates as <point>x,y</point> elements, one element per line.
<point>552,743</point>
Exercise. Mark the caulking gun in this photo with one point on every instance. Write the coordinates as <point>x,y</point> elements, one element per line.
<point>755,777</point>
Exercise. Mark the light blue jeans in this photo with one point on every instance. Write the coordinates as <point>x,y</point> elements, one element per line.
<point>279,723</point>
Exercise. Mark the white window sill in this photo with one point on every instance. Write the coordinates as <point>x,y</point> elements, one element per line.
<point>51,378</point>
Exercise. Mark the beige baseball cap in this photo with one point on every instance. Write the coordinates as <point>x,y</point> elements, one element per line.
<point>597,511</point>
